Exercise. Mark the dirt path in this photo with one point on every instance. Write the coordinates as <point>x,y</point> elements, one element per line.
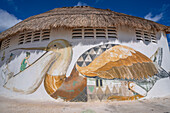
<point>156,105</point>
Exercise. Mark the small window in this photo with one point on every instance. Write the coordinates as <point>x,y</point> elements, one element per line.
<point>28,37</point>
<point>94,33</point>
<point>100,34</point>
<point>21,39</point>
<point>36,36</point>
<point>139,35</point>
<point>77,33</point>
<point>153,37</point>
<point>88,33</point>
<point>45,34</point>
<point>146,36</point>
<point>5,44</point>
<point>112,32</point>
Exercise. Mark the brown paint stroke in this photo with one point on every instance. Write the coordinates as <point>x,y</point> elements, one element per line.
<point>137,66</point>
<point>56,84</point>
<point>71,86</point>
<point>52,83</point>
<point>135,71</point>
<point>121,98</point>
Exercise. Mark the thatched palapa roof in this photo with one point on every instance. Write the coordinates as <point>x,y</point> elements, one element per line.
<point>81,16</point>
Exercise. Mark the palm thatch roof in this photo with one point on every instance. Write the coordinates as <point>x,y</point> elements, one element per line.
<point>168,30</point>
<point>81,16</point>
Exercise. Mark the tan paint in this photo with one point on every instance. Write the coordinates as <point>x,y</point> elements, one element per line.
<point>121,98</point>
<point>60,66</point>
<point>57,72</point>
<point>120,62</point>
<point>52,83</point>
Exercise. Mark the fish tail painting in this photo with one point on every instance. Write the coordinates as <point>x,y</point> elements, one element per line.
<point>104,72</point>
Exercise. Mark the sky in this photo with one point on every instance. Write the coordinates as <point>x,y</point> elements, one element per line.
<point>14,11</point>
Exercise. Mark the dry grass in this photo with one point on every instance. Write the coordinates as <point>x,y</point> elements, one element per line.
<point>81,16</point>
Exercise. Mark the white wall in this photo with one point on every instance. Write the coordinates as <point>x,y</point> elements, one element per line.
<point>126,36</point>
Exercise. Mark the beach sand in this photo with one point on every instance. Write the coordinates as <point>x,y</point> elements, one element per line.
<point>154,105</point>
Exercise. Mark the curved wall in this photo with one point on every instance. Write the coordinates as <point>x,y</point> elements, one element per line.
<point>55,78</point>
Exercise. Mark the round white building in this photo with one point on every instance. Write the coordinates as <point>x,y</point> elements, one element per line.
<point>84,54</point>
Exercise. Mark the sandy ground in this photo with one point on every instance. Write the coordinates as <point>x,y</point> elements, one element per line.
<point>156,105</point>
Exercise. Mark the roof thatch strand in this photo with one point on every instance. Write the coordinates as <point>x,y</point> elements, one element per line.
<point>81,16</point>
<point>168,30</point>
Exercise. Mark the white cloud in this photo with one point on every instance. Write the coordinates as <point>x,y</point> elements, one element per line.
<point>81,4</point>
<point>7,20</point>
<point>155,18</point>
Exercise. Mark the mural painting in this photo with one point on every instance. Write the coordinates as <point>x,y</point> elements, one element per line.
<point>3,57</point>
<point>104,72</point>
<point>6,73</point>
<point>56,83</point>
<point>25,62</point>
<point>157,56</point>
<point>116,72</point>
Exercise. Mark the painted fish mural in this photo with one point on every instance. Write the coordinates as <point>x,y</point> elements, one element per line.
<point>128,72</point>
<point>120,62</point>
<point>104,72</point>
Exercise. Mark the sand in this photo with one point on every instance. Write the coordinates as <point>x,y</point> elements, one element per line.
<point>154,105</point>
